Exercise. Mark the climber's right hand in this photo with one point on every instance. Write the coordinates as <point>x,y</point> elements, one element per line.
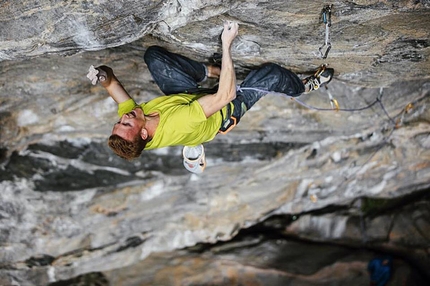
<point>102,74</point>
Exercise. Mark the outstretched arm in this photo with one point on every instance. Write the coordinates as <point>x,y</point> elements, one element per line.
<point>105,76</point>
<point>212,103</point>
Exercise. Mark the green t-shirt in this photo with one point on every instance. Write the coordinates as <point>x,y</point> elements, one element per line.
<point>182,120</point>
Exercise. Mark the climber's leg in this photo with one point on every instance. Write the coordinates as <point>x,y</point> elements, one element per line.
<point>269,77</point>
<point>174,73</point>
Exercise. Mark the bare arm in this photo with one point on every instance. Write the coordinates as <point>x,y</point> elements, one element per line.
<point>212,103</point>
<point>108,80</point>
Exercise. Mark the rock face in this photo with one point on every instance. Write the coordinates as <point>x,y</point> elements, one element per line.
<point>292,196</point>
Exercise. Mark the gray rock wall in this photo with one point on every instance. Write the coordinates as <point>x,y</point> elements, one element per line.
<point>292,196</point>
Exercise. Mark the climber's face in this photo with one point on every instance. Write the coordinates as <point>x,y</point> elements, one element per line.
<point>130,124</point>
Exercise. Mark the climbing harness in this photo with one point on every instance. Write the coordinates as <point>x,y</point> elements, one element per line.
<point>326,19</point>
<point>229,121</point>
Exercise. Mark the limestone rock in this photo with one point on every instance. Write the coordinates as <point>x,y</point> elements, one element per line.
<point>294,195</point>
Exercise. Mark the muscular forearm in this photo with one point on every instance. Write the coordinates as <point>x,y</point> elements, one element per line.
<point>212,103</point>
<point>113,86</point>
<point>227,79</point>
<point>117,91</point>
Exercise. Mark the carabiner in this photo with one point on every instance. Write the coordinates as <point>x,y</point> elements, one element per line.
<point>326,19</point>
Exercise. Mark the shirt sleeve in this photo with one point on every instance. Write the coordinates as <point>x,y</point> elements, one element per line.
<point>126,106</point>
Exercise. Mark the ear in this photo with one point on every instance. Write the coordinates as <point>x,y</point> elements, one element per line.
<point>144,133</point>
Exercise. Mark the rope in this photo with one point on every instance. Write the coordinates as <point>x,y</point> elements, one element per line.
<point>293,97</point>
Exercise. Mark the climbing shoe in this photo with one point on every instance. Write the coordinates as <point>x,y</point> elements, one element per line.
<point>321,77</point>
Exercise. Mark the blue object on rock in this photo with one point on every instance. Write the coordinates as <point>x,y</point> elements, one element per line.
<point>380,270</point>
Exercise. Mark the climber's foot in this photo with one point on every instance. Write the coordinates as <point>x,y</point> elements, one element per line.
<point>321,77</point>
<point>213,71</point>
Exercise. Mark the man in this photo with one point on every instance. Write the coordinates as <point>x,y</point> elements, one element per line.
<point>189,115</point>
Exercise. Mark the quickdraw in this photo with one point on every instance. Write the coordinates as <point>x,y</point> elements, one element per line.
<point>333,102</point>
<point>326,19</point>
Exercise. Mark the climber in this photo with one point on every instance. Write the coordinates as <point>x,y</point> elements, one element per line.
<point>187,114</point>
